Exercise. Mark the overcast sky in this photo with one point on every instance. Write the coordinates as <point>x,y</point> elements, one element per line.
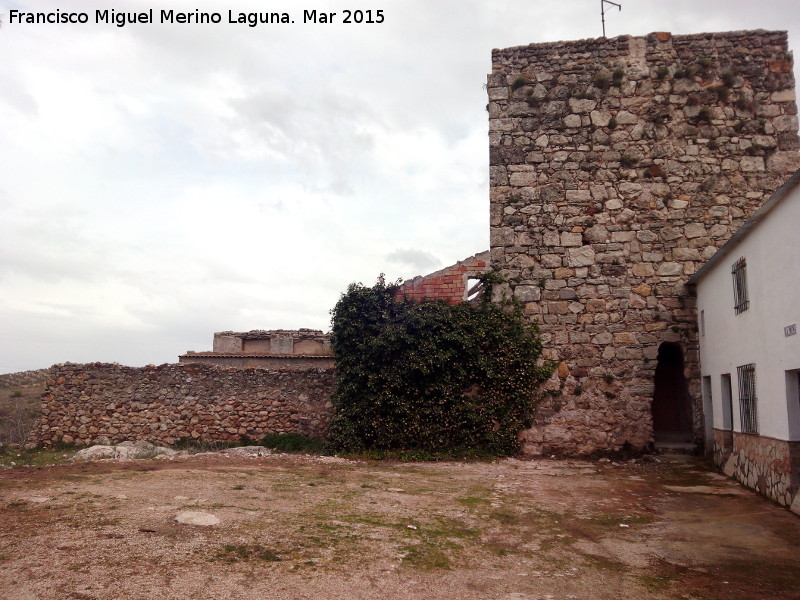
<point>161,182</point>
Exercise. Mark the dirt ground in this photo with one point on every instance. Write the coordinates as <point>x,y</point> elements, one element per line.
<point>300,527</point>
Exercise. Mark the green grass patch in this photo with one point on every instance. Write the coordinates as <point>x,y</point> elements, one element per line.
<point>35,457</point>
<point>232,553</point>
<point>291,442</point>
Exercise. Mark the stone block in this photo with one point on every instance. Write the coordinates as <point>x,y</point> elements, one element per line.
<point>596,234</point>
<point>579,196</point>
<point>785,123</point>
<point>695,230</point>
<point>581,106</point>
<point>686,254</point>
<point>527,293</point>
<point>751,163</point>
<point>626,118</point>
<point>783,162</point>
<point>643,270</point>
<point>526,178</point>
<point>580,257</point>
<point>498,93</point>
<point>600,118</point>
<point>669,269</point>
<point>569,239</point>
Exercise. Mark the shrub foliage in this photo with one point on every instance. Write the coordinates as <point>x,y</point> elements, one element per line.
<point>430,376</point>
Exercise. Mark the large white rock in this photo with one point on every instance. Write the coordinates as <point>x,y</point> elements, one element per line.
<point>196,517</point>
<point>124,451</point>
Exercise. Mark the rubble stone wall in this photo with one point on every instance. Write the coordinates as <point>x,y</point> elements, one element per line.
<point>769,466</point>
<point>617,167</point>
<point>110,403</point>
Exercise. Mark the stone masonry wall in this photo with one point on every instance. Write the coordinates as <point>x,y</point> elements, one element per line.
<point>769,466</point>
<point>450,284</point>
<point>618,166</point>
<point>109,403</point>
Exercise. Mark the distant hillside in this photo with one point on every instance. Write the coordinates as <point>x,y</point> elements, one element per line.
<point>24,378</point>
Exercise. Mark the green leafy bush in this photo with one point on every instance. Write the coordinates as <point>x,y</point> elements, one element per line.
<point>430,376</point>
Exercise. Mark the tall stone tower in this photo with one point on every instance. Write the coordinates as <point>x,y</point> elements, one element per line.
<point>618,166</point>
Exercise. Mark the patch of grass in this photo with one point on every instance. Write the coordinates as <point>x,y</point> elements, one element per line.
<point>614,520</point>
<point>656,584</point>
<point>291,442</point>
<point>602,81</point>
<point>34,457</point>
<point>519,82</point>
<point>243,552</point>
<point>426,557</point>
<point>472,501</point>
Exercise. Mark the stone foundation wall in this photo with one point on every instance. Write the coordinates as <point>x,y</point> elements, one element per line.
<point>109,403</point>
<point>617,167</point>
<point>769,466</point>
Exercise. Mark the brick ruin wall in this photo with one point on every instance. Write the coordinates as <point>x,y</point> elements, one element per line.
<point>617,167</point>
<point>109,403</point>
<point>450,284</point>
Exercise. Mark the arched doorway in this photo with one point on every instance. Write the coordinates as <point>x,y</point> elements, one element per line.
<point>672,415</point>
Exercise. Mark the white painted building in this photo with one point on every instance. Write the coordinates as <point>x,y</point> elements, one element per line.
<point>748,307</point>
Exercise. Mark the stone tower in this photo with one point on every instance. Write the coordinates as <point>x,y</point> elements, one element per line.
<point>618,166</point>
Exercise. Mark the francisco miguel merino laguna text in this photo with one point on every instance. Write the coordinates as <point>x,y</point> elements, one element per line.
<point>251,19</point>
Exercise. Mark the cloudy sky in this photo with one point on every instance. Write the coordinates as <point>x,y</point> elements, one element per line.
<point>164,181</point>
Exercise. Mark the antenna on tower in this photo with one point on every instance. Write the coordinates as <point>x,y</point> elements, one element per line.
<point>603,12</point>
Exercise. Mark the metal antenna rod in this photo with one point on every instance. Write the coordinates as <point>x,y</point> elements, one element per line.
<point>603,12</point>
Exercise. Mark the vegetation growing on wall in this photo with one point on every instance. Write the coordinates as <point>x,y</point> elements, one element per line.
<point>430,376</point>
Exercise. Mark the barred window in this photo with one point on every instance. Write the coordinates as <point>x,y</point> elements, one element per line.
<point>747,398</point>
<point>740,300</point>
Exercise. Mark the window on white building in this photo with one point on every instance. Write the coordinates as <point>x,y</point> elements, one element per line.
<point>727,402</point>
<point>793,402</point>
<point>747,398</point>
<point>741,301</point>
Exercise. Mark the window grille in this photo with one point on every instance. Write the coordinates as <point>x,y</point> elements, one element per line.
<point>747,398</point>
<point>741,302</point>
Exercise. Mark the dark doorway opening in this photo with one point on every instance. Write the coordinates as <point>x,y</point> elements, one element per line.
<point>672,414</point>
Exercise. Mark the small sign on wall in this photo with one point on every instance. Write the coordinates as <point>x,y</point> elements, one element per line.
<point>790,330</point>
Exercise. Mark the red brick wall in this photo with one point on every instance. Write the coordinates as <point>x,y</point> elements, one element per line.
<point>449,284</point>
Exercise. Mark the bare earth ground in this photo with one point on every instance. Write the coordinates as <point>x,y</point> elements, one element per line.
<point>300,527</point>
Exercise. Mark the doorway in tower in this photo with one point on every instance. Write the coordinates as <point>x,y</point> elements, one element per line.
<point>672,414</point>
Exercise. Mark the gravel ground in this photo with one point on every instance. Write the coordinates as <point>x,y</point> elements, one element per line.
<point>295,527</point>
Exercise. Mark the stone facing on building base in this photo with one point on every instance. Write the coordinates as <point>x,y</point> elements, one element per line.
<point>109,403</point>
<point>769,466</point>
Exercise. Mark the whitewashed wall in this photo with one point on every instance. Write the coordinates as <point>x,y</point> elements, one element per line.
<point>772,251</point>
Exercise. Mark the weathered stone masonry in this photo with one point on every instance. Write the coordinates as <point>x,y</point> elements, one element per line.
<point>618,166</point>
<point>109,403</point>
